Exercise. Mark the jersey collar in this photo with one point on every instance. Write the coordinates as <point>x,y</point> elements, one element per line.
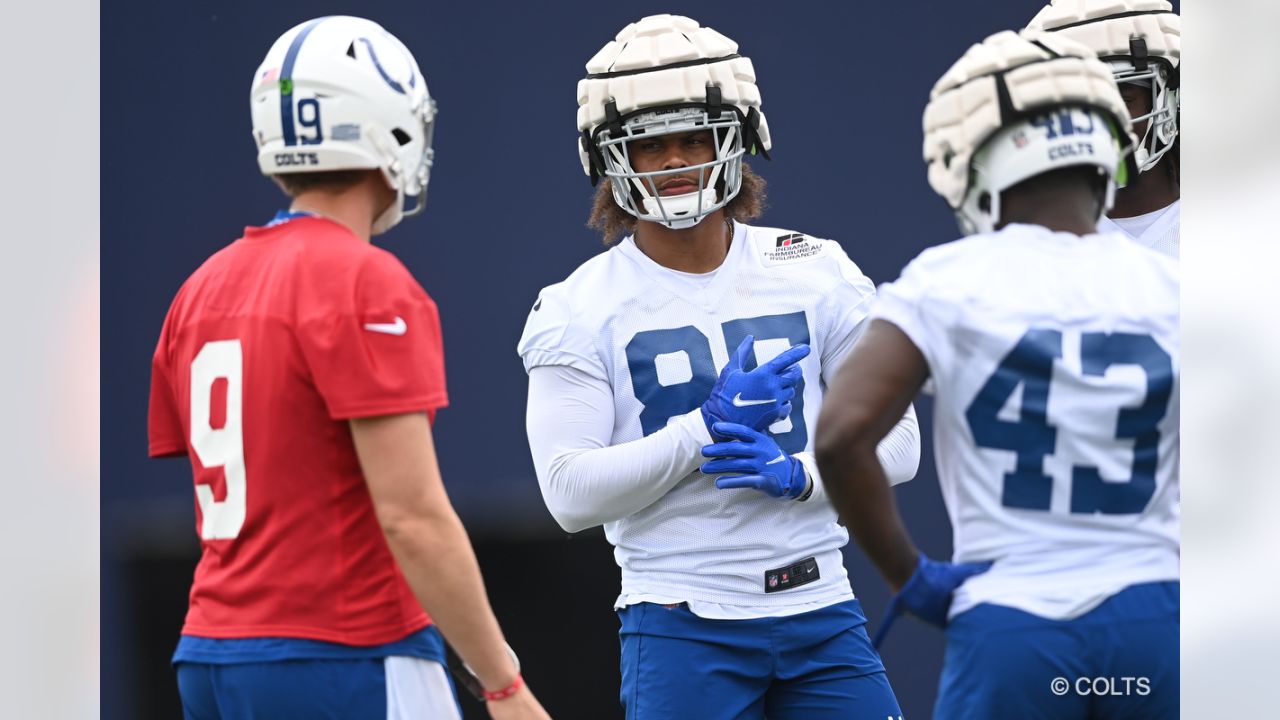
<point>284,216</point>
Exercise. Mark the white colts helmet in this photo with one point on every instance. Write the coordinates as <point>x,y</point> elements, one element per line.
<point>667,74</point>
<point>1016,106</point>
<point>341,93</point>
<point>1141,40</point>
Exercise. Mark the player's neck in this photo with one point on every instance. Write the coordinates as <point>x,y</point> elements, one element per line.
<point>698,249</point>
<point>355,208</point>
<point>1151,191</point>
<point>1073,210</point>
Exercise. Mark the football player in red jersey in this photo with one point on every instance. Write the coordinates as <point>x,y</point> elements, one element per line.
<point>299,369</point>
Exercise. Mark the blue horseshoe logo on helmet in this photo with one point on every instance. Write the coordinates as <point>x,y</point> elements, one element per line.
<point>382,71</point>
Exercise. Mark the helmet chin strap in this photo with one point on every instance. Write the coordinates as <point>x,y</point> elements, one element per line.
<point>391,216</point>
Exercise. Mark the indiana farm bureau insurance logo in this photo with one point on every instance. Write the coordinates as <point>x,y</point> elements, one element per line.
<point>792,246</point>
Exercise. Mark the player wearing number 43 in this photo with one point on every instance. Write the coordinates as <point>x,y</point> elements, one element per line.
<point>1053,355</point>
<point>299,368</point>
<point>674,381</point>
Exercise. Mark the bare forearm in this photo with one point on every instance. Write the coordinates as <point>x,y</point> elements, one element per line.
<point>866,506</point>
<point>436,558</point>
<point>871,393</point>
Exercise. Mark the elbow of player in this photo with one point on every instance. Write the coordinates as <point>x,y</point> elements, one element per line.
<point>570,518</point>
<point>562,495</point>
<point>404,527</point>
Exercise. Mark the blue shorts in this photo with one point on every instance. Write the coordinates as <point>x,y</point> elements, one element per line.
<point>812,666</point>
<point>339,689</point>
<point>1120,660</point>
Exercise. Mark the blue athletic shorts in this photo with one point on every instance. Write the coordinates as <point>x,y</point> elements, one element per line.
<point>817,665</point>
<point>388,688</point>
<point>1120,660</point>
<point>272,677</point>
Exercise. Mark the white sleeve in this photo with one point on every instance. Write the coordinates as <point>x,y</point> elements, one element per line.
<point>843,314</point>
<point>852,302</point>
<point>898,453</point>
<point>585,481</point>
<point>553,337</point>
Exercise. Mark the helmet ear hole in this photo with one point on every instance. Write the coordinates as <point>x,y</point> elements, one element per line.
<point>984,202</point>
<point>401,137</point>
<point>351,50</point>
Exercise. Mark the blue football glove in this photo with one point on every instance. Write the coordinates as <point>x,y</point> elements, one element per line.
<point>756,398</point>
<point>749,459</point>
<point>928,592</point>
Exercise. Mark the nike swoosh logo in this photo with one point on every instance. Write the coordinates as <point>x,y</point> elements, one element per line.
<point>780,458</point>
<point>399,327</point>
<point>739,402</point>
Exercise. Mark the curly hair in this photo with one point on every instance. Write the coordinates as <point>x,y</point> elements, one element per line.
<point>614,223</point>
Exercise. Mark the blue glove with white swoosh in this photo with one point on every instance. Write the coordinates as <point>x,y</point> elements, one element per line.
<point>928,593</point>
<point>750,459</point>
<point>757,398</point>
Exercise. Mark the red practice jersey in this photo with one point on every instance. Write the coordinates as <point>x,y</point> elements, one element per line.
<point>267,351</point>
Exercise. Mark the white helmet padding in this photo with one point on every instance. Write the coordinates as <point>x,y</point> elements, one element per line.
<point>1141,40</point>
<point>667,74</point>
<point>1001,82</point>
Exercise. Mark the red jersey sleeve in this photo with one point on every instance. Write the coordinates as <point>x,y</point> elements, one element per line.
<point>166,435</point>
<point>376,348</point>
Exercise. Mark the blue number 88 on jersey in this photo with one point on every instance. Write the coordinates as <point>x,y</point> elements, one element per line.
<point>665,401</point>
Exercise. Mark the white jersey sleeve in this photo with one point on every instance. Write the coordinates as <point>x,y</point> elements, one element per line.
<point>552,337</point>
<point>903,303</point>
<point>843,321</point>
<point>847,306</point>
<point>585,481</point>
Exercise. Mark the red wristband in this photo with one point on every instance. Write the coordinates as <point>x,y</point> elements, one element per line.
<point>505,692</point>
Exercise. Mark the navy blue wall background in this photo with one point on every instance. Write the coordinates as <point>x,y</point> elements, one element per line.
<point>844,86</point>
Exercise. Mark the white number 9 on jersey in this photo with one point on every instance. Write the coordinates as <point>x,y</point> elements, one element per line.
<point>221,446</point>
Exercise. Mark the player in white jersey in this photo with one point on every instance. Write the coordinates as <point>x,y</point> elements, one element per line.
<point>1141,41</point>
<point>1053,354</point>
<point>735,602</point>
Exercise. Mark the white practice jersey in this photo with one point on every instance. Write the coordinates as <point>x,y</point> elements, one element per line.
<point>660,338</point>
<point>1054,360</point>
<point>1159,230</point>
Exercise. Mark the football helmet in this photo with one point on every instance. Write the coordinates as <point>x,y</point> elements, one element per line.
<point>1018,105</point>
<point>1141,40</point>
<point>342,93</point>
<point>667,74</point>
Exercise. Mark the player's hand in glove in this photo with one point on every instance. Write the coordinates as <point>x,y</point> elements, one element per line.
<point>757,398</point>
<point>750,459</point>
<point>928,593</point>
